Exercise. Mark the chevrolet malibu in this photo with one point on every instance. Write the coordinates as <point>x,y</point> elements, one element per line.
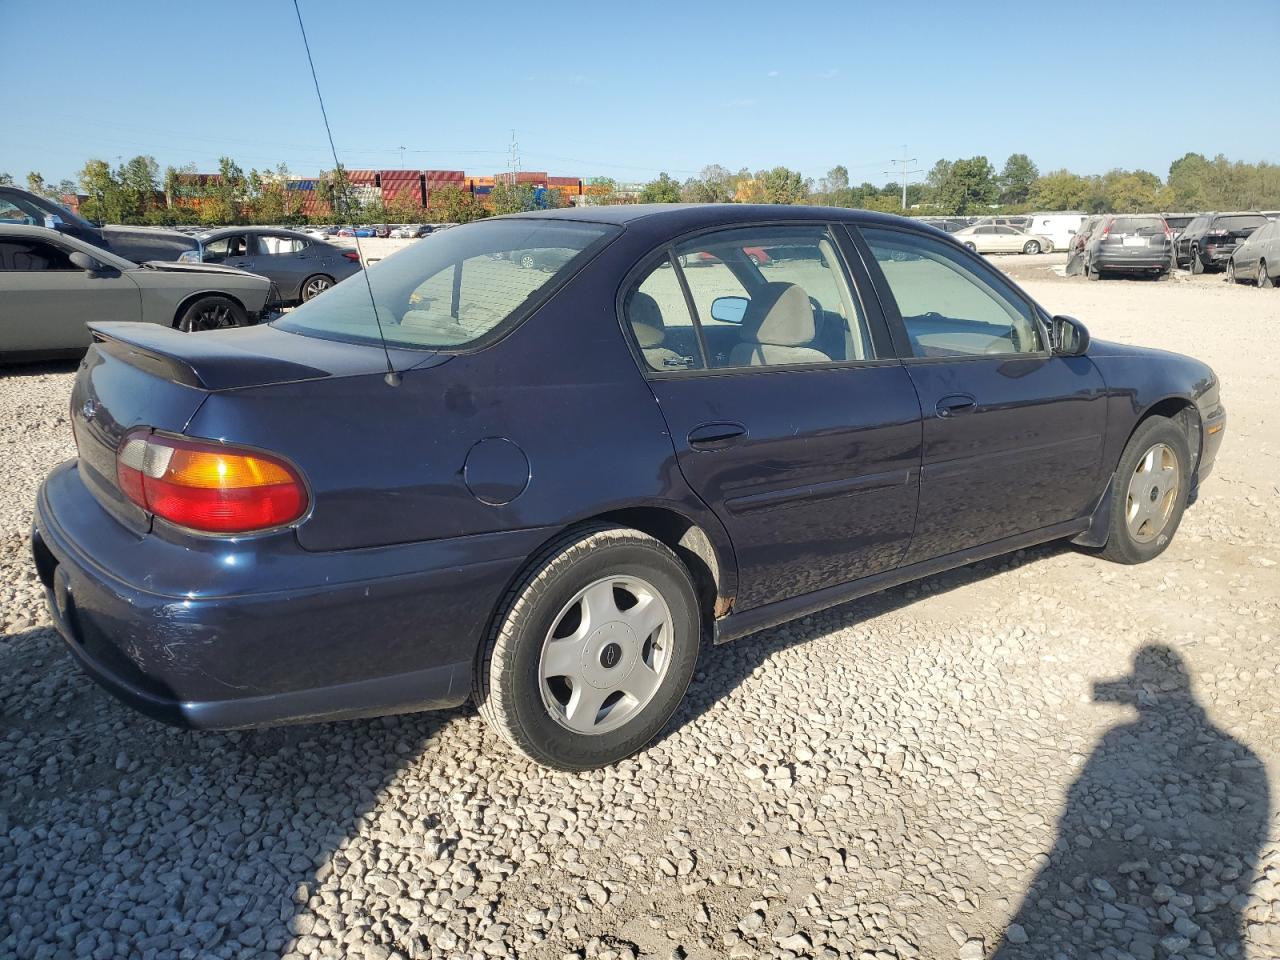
<point>549,489</point>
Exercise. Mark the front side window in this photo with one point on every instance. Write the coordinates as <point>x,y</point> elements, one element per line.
<point>768,296</point>
<point>11,213</point>
<point>949,308</point>
<point>457,290</point>
<point>29,256</point>
<point>219,250</point>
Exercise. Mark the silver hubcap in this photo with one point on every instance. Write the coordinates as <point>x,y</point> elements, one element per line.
<point>318,285</point>
<point>606,655</point>
<point>1153,490</point>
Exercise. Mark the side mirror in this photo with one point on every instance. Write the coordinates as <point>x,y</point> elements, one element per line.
<point>52,221</point>
<point>729,309</point>
<point>1070,336</point>
<point>86,262</point>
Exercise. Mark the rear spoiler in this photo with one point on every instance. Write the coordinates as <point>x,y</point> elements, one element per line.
<point>195,360</point>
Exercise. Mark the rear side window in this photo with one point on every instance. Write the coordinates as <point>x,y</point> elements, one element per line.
<point>272,245</point>
<point>459,289</point>
<point>949,308</point>
<point>1246,222</point>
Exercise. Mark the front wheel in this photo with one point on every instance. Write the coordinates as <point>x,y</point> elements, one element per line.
<point>213,312</point>
<point>592,651</point>
<point>1032,247</point>
<point>1264,278</point>
<point>1197,265</point>
<point>1148,492</point>
<point>1231,272</point>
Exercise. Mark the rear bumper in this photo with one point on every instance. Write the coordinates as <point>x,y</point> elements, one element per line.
<point>347,636</point>
<point>1121,264</point>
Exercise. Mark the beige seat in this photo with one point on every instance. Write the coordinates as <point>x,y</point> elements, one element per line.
<point>777,328</point>
<point>651,332</point>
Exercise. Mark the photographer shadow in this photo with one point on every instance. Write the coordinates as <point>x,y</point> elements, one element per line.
<point>1158,843</point>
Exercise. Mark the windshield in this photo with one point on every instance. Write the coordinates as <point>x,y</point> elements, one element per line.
<point>1245,222</point>
<point>457,289</point>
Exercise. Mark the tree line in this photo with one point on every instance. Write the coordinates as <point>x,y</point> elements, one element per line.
<point>135,191</point>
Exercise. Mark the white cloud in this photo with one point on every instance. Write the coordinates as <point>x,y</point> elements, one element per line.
<point>774,73</point>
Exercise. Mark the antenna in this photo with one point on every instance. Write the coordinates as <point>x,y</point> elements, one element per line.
<point>392,378</point>
<point>905,172</point>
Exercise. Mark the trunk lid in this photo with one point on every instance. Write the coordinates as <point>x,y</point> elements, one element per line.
<point>145,375</point>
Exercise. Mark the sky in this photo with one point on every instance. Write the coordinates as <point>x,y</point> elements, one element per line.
<point>628,90</point>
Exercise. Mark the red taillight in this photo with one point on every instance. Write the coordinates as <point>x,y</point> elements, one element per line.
<point>351,255</point>
<point>206,486</point>
<point>1106,231</point>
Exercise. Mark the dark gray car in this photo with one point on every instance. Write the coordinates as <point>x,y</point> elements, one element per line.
<point>300,266</point>
<point>1132,243</point>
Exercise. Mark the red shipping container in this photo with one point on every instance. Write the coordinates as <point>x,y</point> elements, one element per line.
<point>563,182</point>
<point>364,177</point>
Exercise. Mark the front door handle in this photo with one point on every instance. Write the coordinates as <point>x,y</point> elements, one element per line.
<point>716,436</point>
<point>955,404</point>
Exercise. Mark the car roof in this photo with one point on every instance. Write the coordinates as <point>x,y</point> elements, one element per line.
<point>228,231</point>
<point>690,216</point>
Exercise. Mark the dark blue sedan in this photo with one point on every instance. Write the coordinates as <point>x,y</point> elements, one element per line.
<point>545,462</point>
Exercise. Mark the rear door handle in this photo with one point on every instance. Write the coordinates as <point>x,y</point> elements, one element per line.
<point>716,436</point>
<point>955,404</point>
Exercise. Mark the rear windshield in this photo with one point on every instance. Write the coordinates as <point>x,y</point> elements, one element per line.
<point>1137,227</point>
<point>1244,222</point>
<point>456,288</point>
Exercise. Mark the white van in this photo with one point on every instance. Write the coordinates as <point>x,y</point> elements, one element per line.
<point>1058,227</point>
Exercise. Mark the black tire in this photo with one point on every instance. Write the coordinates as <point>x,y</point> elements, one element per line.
<point>313,286</point>
<point>1090,272</point>
<point>1031,248</point>
<point>1122,546</point>
<point>211,312</point>
<point>1197,265</point>
<point>507,687</point>
<point>1264,278</point>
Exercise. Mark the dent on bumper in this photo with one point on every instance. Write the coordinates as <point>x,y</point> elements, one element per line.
<point>343,647</point>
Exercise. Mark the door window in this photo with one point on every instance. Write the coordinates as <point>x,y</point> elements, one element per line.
<point>28,256</point>
<point>948,307</point>
<point>274,245</point>
<point>218,250</point>
<point>659,320</point>
<point>768,296</point>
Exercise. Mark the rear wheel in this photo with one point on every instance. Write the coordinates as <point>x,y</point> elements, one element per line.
<point>314,286</point>
<point>1032,247</point>
<point>1148,492</point>
<point>1197,265</point>
<point>1264,278</point>
<point>212,312</point>
<point>1090,271</point>
<point>592,651</point>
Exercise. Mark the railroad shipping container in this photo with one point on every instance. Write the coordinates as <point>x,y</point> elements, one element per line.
<point>363,177</point>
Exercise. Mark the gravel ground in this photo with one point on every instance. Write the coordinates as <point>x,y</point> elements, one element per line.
<point>1039,756</point>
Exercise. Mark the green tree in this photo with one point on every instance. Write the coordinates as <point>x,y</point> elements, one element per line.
<point>781,185</point>
<point>334,187</point>
<point>601,190</point>
<point>512,198</point>
<point>1061,190</point>
<point>662,190</point>
<point>970,185</point>
<point>105,203</point>
<point>454,205</point>
<point>713,185</point>
<point>36,184</point>
<point>6,180</point>
<point>1017,179</point>
<point>836,180</point>
<point>1134,191</point>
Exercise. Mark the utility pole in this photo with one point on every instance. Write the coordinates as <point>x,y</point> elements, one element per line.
<point>906,162</point>
<point>513,159</point>
<point>401,157</point>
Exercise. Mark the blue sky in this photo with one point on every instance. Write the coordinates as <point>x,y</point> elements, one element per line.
<point>629,90</point>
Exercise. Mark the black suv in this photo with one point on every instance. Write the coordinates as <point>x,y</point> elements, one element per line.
<point>1209,240</point>
<point>138,244</point>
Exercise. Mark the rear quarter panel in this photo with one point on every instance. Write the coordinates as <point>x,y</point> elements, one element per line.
<point>163,293</point>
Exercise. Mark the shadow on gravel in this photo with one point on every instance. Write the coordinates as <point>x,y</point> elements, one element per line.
<point>1158,844</point>
<point>38,369</point>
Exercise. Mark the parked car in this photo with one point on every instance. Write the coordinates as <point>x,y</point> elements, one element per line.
<point>992,238</point>
<point>52,283</point>
<point>1257,259</point>
<point>300,266</point>
<point>23,207</point>
<point>363,232</point>
<point>1020,222</point>
<point>1177,222</point>
<point>757,255</point>
<point>1133,243</point>
<point>307,520</point>
<point>406,231</point>
<point>1209,240</point>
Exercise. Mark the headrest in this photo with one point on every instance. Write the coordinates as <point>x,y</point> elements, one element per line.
<point>646,320</point>
<point>780,314</point>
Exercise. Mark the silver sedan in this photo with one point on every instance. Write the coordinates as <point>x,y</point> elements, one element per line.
<point>51,285</point>
<point>997,238</point>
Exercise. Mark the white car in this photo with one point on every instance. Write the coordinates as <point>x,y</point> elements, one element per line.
<point>994,238</point>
